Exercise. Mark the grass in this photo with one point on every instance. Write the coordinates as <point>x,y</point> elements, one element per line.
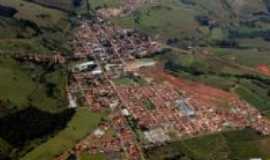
<point>124,81</point>
<point>247,57</point>
<point>104,3</point>
<point>42,16</point>
<point>22,88</point>
<point>81,124</point>
<point>254,97</point>
<point>5,147</point>
<point>129,80</point>
<point>87,156</point>
<point>154,20</point>
<point>34,28</point>
<point>21,45</point>
<point>149,105</point>
<point>15,84</point>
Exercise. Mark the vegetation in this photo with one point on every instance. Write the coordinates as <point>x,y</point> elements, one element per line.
<point>130,80</point>
<point>33,28</point>
<point>222,146</point>
<point>80,125</point>
<point>95,4</point>
<point>87,156</point>
<point>149,104</point>
<point>28,84</point>
<point>28,124</point>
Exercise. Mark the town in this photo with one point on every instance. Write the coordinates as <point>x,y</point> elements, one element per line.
<point>154,107</point>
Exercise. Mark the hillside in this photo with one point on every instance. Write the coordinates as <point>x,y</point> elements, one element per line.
<point>28,88</point>
<point>33,27</point>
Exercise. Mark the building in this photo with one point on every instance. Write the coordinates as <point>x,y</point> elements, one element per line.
<point>85,66</point>
<point>184,107</point>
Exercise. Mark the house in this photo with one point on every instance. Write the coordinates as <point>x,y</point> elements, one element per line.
<point>85,66</point>
<point>184,107</point>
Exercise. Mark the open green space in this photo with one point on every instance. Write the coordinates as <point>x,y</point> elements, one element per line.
<point>80,126</point>
<point>149,105</point>
<point>87,156</point>
<point>35,28</point>
<point>202,23</point>
<point>256,96</point>
<point>15,84</point>
<point>42,16</point>
<point>95,4</point>
<point>154,19</point>
<point>124,81</point>
<point>247,57</point>
<point>25,84</point>
<point>129,80</point>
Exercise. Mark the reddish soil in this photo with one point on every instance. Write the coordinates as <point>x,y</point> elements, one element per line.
<point>264,69</point>
<point>204,94</point>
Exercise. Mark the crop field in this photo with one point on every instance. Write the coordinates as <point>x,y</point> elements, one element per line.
<point>80,126</point>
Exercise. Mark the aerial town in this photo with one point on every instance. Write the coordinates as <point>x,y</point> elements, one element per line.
<point>157,108</point>
<point>134,80</point>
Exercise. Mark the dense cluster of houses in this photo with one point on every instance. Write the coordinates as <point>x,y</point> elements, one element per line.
<point>101,54</point>
<point>160,108</point>
<point>56,58</point>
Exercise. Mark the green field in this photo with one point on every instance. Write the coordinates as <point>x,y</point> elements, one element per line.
<point>15,84</point>
<point>34,12</point>
<point>248,57</point>
<point>180,20</point>
<point>154,20</point>
<point>33,29</point>
<point>255,95</point>
<point>87,156</point>
<point>20,85</point>
<point>80,126</point>
<point>104,3</point>
<point>28,85</point>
